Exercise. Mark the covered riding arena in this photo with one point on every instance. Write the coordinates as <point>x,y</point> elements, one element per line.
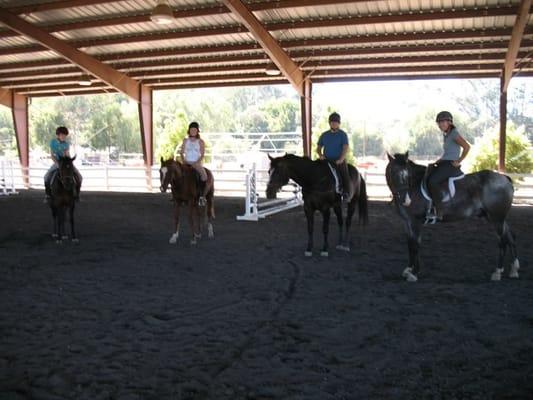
<point>125,315</point>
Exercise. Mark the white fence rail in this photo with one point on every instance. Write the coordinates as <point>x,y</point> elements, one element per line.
<point>229,182</point>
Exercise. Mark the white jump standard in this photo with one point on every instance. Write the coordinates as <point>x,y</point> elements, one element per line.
<point>7,178</point>
<point>255,210</point>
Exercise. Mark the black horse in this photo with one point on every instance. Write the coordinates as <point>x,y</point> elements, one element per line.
<point>319,193</point>
<point>482,194</point>
<point>63,186</point>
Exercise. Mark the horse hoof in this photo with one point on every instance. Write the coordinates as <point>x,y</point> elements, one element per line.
<point>75,240</point>
<point>406,272</point>
<point>64,237</point>
<point>342,247</point>
<point>59,241</point>
<point>210,232</point>
<point>324,254</point>
<point>173,239</point>
<point>308,253</point>
<point>411,277</point>
<point>515,266</point>
<point>496,276</point>
<point>54,236</point>
<point>194,242</point>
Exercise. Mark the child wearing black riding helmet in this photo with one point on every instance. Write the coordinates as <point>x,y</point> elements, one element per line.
<point>333,146</point>
<point>192,152</point>
<point>60,147</point>
<point>455,150</point>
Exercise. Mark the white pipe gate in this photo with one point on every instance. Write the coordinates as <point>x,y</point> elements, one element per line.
<point>255,210</point>
<point>7,178</point>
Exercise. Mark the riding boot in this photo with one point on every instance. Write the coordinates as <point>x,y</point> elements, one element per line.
<point>345,182</point>
<point>201,190</point>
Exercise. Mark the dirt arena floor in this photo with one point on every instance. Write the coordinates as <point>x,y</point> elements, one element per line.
<point>125,315</point>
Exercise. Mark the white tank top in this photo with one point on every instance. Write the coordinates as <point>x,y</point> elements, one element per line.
<point>192,150</point>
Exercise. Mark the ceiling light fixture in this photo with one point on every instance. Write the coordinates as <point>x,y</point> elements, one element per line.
<point>162,13</point>
<point>272,70</point>
<point>84,80</point>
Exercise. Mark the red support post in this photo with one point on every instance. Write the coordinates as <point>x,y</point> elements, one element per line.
<point>503,124</point>
<point>307,120</point>
<point>19,110</point>
<point>146,124</point>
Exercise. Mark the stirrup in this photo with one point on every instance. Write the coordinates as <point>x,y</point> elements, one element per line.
<point>431,216</point>
<point>202,201</point>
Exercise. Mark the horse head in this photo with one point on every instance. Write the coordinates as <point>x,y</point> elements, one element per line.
<point>278,175</point>
<point>66,172</point>
<point>399,177</point>
<point>169,169</point>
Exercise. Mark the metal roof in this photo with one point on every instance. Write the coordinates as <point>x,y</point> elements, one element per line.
<point>207,46</point>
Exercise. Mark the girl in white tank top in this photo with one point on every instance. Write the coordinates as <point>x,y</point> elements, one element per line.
<point>192,153</point>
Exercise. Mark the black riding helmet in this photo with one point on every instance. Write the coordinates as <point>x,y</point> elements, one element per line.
<point>61,130</point>
<point>444,116</point>
<point>194,125</point>
<point>335,117</point>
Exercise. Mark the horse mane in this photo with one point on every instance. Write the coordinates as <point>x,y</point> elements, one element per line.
<point>419,171</point>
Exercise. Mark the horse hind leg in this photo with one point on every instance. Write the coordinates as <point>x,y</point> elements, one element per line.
<point>506,240</point>
<point>325,230</point>
<point>515,264</point>
<point>210,216</point>
<point>342,245</point>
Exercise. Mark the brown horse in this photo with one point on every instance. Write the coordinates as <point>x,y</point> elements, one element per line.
<point>183,181</point>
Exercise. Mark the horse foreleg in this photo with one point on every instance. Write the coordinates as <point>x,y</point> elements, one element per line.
<point>506,240</point>
<point>72,230</point>
<point>325,231</point>
<point>55,220</point>
<point>174,238</point>
<point>194,221</point>
<point>210,216</point>
<point>413,241</point>
<point>310,216</point>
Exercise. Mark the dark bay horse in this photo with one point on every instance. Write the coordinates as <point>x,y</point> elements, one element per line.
<point>183,181</point>
<point>483,194</point>
<point>319,193</point>
<point>62,189</point>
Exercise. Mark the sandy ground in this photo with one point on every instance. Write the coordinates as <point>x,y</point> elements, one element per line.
<point>125,315</point>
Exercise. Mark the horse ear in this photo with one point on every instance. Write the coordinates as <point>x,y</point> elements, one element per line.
<point>73,158</point>
<point>270,157</point>
<point>407,154</point>
<point>162,161</point>
<point>391,158</point>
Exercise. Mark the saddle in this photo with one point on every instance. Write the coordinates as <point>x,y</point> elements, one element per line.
<point>447,192</point>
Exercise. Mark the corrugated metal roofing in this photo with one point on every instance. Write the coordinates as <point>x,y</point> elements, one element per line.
<point>207,46</point>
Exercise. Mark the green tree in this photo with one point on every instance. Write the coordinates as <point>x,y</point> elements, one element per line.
<point>518,152</point>
<point>174,131</point>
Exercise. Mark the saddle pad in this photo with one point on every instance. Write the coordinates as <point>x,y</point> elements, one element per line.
<point>337,181</point>
<point>451,188</point>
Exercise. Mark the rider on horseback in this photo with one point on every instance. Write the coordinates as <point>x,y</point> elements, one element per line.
<point>192,153</point>
<point>333,146</point>
<point>59,147</point>
<point>448,165</point>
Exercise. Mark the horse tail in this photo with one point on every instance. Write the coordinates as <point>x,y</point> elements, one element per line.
<point>362,201</point>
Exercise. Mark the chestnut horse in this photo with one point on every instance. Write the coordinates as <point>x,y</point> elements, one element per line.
<point>183,181</point>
